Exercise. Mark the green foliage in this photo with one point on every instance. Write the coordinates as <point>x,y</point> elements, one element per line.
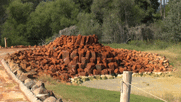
<point>33,26</point>
<point>143,45</point>
<point>88,25</point>
<point>15,26</point>
<point>84,5</point>
<point>172,24</point>
<point>116,20</point>
<point>150,7</point>
<point>3,16</point>
<point>50,17</point>
<point>156,44</point>
<point>109,19</point>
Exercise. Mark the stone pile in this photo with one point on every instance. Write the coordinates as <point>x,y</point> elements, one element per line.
<point>72,56</point>
<point>36,87</point>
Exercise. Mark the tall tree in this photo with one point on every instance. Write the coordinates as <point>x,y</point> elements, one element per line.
<point>161,8</point>
<point>172,22</point>
<point>84,5</point>
<point>49,18</point>
<point>3,15</point>
<point>164,9</point>
<point>150,7</point>
<point>109,18</point>
<point>14,27</point>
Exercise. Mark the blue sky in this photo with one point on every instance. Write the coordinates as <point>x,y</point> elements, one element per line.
<point>163,0</point>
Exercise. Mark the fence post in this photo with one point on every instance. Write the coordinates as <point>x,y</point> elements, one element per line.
<point>5,42</point>
<point>125,88</point>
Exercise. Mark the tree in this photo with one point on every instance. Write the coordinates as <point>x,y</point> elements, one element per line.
<point>49,18</point>
<point>84,5</point>
<point>161,8</point>
<point>14,27</point>
<point>118,19</point>
<point>109,19</point>
<point>88,24</point>
<point>150,7</point>
<point>3,15</point>
<point>172,22</point>
<point>164,9</point>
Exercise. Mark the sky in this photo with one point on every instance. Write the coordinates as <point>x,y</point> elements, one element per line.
<point>163,0</point>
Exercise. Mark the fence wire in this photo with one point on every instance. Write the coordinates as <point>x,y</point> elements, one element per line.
<point>142,90</point>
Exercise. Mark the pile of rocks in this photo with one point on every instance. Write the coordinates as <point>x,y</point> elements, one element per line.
<point>36,87</point>
<point>72,56</point>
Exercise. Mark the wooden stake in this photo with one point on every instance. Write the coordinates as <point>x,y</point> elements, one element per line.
<point>5,42</point>
<point>126,88</point>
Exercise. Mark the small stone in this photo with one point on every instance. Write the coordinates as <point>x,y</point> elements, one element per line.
<point>29,83</point>
<point>103,77</point>
<point>98,77</point>
<point>42,96</point>
<point>50,99</point>
<point>40,90</point>
<point>59,100</point>
<point>109,76</point>
<point>19,72</point>
<point>119,76</point>
<point>37,85</point>
<point>11,64</point>
<point>15,69</point>
<point>23,77</point>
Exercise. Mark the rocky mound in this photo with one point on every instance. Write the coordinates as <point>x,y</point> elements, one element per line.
<point>70,56</point>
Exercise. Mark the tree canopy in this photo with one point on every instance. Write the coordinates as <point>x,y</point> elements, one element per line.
<point>31,21</point>
<point>172,22</point>
<point>31,26</point>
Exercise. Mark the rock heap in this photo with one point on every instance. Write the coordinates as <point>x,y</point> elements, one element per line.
<point>70,56</point>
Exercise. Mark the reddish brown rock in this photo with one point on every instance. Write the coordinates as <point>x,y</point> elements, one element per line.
<point>111,71</point>
<point>67,60</point>
<point>116,71</point>
<point>99,66</point>
<point>78,40</point>
<point>111,65</point>
<point>65,54</point>
<point>70,56</point>
<point>121,69</point>
<point>73,54</point>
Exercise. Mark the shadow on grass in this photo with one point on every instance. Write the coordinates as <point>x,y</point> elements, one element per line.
<point>85,94</point>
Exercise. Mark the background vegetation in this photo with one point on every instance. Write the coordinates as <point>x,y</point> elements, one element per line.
<point>113,21</point>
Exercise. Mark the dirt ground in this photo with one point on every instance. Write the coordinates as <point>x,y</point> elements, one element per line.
<point>156,85</point>
<point>9,90</point>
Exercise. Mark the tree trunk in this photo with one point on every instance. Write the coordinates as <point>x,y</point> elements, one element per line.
<point>164,8</point>
<point>161,8</point>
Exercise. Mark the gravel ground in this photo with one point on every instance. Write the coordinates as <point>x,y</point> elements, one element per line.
<point>9,90</point>
<point>159,86</point>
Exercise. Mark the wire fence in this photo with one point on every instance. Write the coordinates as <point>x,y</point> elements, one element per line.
<point>141,90</point>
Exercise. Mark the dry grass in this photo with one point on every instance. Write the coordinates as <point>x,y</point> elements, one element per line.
<point>174,59</point>
<point>173,54</point>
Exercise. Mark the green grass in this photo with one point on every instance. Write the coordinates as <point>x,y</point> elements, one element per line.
<point>85,94</point>
<point>143,45</point>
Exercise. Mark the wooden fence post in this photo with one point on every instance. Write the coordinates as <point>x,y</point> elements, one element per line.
<point>5,42</point>
<point>125,88</point>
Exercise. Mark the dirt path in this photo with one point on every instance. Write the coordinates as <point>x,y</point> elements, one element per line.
<point>160,86</point>
<point>9,90</point>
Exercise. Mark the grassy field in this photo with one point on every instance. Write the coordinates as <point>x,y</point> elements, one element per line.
<point>85,94</point>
